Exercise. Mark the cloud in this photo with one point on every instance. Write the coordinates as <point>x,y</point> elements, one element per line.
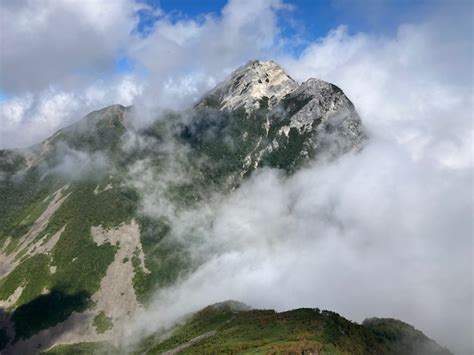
<point>57,62</point>
<point>30,118</point>
<point>75,164</point>
<point>175,62</point>
<point>60,42</point>
<point>387,239</point>
<point>188,56</point>
<point>208,44</point>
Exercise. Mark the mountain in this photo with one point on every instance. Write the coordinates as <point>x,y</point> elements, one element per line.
<point>277,122</point>
<point>232,327</point>
<point>90,220</point>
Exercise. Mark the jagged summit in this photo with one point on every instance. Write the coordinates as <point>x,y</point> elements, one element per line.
<point>273,120</point>
<point>247,85</point>
<point>315,105</point>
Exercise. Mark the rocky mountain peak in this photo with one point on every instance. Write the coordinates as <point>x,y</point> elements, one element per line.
<point>249,84</point>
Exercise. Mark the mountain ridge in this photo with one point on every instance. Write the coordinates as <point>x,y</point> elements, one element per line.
<point>233,327</point>
<point>78,247</point>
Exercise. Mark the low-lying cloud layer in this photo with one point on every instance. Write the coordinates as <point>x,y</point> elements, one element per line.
<point>375,234</point>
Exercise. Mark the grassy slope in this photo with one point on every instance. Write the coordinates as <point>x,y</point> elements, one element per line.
<point>266,331</point>
<point>80,263</point>
<point>229,328</point>
<point>83,349</point>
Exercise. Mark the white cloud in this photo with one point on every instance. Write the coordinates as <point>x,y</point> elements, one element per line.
<point>30,118</point>
<point>195,53</point>
<point>46,42</point>
<point>180,59</point>
<point>375,234</point>
<point>401,87</point>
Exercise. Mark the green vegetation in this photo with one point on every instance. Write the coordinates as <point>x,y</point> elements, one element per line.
<point>292,152</point>
<point>235,140</point>
<point>225,140</point>
<point>32,274</point>
<point>80,262</point>
<point>98,131</point>
<point>102,323</point>
<point>11,162</point>
<point>165,258</point>
<point>225,329</point>
<point>402,338</point>
<point>23,200</point>
<point>100,348</point>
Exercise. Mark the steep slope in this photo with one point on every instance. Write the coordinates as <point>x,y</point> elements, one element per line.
<point>80,254</point>
<point>49,262</point>
<point>253,120</point>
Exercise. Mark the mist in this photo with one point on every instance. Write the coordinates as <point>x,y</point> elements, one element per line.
<point>391,239</point>
<point>76,164</point>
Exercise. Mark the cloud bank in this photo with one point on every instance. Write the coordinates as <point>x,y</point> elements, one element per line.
<point>60,41</point>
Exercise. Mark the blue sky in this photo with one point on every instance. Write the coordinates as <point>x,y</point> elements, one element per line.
<point>307,21</point>
<point>316,17</point>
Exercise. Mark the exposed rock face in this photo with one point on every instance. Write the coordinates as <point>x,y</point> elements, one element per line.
<point>247,85</point>
<point>277,122</point>
<point>29,245</point>
<point>313,101</point>
<point>317,100</point>
<point>322,107</point>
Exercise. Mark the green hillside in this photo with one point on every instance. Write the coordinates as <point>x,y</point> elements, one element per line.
<point>232,328</point>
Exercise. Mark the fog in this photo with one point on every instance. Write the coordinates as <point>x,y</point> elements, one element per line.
<point>391,239</point>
